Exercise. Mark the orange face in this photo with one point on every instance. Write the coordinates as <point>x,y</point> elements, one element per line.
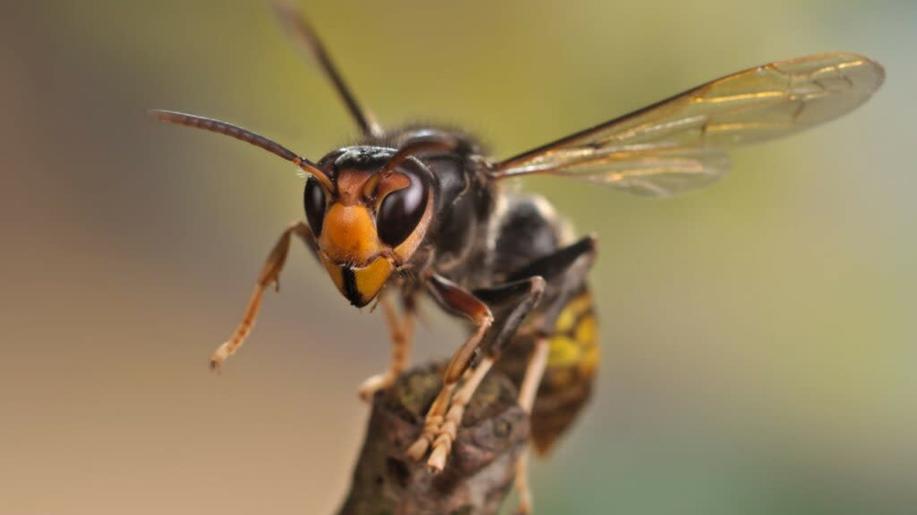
<point>370,224</point>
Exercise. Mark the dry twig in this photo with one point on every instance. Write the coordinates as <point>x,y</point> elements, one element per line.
<point>480,471</point>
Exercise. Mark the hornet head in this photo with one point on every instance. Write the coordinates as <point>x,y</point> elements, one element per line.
<point>368,207</point>
<point>369,214</point>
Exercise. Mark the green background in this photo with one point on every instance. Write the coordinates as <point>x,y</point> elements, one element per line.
<point>758,336</point>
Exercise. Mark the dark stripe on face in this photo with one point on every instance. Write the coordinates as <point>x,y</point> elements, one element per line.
<point>350,287</point>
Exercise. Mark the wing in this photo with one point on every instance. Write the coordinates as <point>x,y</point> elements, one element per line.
<point>680,143</point>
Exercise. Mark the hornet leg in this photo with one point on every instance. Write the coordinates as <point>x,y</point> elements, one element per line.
<point>527,391</point>
<point>401,329</point>
<point>565,271</point>
<point>511,302</point>
<point>270,274</point>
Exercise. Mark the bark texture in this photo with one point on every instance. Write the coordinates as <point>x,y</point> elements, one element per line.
<point>481,468</point>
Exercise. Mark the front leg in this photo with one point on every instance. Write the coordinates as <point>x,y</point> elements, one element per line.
<point>270,274</point>
<point>512,302</point>
<point>401,329</point>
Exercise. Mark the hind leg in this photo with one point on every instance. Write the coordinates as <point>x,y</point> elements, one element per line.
<point>533,373</point>
<point>565,271</point>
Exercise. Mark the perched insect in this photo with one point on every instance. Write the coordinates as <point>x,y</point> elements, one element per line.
<point>419,210</point>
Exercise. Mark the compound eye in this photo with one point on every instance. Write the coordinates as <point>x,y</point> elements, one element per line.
<point>400,212</point>
<point>314,200</point>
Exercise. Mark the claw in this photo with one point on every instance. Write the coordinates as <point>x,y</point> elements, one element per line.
<point>218,357</point>
<point>437,461</point>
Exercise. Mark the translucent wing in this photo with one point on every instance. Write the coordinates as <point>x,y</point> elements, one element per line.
<point>681,142</point>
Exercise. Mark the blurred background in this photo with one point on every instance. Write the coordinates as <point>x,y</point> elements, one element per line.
<point>758,336</point>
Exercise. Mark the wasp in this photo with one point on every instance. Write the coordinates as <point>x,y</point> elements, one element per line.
<point>421,211</point>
